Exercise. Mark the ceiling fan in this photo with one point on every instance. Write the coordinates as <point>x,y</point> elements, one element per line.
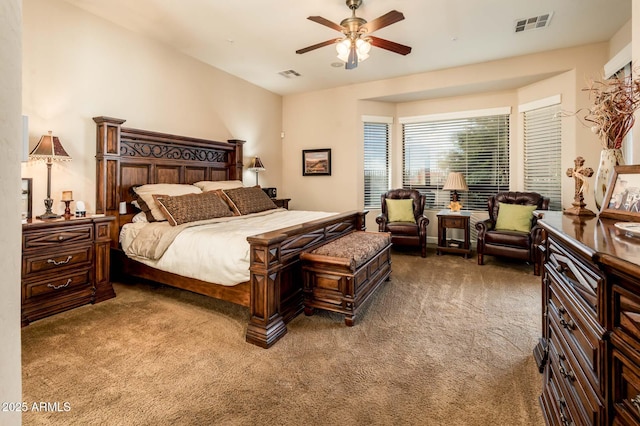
<point>354,47</point>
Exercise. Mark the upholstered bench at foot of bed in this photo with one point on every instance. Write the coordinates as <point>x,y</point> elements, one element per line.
<point>341,275</point>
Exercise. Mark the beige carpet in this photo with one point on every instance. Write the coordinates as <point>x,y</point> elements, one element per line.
<point>445,342</point>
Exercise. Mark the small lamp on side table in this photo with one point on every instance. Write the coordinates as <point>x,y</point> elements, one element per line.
<point>50,149</point>
<point>455,182</point>
<point>256,166</point>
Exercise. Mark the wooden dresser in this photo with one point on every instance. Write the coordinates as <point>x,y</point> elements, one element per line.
<point>65,264</point>
<point>590,322</point>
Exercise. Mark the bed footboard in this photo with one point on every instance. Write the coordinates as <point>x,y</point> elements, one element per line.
<point>276,273</point>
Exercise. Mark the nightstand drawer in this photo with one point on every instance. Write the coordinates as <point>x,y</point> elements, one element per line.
<point>453,222</point>
<point>69,282</point>
<point>51,238</point>
<point>62,259</point>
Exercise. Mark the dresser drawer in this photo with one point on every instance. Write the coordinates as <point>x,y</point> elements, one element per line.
<point>60,283</point>
<point>56,237</point>
<point>583,336</point>
<point>582,281</point>
<point>626,315</point>
<point>58,260</point>
<point>556,409</point>
<point>625,385</point>
<point>583,401</point>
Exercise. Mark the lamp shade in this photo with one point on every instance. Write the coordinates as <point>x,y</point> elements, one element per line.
<point>256,165</point>
<point>455,182</point>
<point>49,148</point>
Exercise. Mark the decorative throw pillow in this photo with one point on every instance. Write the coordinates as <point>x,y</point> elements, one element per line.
<point>144,194</point>
<point>248,200</point>
<point>400,210</point>
<point>192,207</point>
<point>514,217</point>
<point>212,185</point>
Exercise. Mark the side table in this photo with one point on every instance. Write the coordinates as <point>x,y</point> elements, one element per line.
<point>456,220</point>
<point>282,202</point>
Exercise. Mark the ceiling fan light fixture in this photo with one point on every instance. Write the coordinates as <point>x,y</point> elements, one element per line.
<point>355,44</point>
<point>343,47</point>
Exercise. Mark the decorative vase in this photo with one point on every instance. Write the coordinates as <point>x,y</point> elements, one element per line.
<point>609,158</point>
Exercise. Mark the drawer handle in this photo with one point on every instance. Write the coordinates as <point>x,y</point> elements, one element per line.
<point>60,237</point>
<point>567,374</point>
<point>62,262</point>
<point>569,325</point>
<point>56,287</point>
<point>563,418</point>
<point>636,403</point>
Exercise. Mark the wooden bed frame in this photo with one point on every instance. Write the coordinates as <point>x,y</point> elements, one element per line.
<point>127,157</point>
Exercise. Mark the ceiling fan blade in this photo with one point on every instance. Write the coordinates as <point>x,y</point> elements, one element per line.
<point>317,46</point>
<point>352,61</point>
<point>390,45</point>
<point>383,21</point>
<point>327,23</point>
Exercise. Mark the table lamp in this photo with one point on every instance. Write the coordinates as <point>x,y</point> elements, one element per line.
<point>455,182</point>
<point>49,149</point>
<point>256,166</point>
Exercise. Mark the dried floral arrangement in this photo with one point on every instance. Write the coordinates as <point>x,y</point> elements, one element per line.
<point>615,100</point>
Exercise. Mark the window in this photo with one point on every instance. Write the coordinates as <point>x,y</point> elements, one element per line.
<point>542,153</point>
<point>376,162</point>
<point>475,143</point>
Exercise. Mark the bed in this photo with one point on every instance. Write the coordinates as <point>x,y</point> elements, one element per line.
<point>126,158</point>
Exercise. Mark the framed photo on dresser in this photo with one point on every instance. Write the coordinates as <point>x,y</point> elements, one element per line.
<point>622,199</point>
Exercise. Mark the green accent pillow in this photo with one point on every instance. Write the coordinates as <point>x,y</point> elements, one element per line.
<point>400,210</point>
<point>514,217</point>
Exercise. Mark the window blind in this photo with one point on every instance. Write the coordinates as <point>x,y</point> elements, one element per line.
<point>376,163</point>
<point>542,151</point>
<point>478,147</point>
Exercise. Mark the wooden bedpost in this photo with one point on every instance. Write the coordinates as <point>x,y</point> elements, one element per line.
<point>108,170</point>
<point>235,169</point>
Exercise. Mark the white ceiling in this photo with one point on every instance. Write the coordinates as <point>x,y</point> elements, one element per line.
<point>257,39</point>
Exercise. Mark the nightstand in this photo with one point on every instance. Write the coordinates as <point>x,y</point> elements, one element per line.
<point>65,264</point>
<point>282,202</point>
<point>457,220</point>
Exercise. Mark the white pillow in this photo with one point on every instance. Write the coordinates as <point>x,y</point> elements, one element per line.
<point>148,205</point>
<point>212,185</point>
<point>140,217</point>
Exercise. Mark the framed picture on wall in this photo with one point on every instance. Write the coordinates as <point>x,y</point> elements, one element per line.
<point>26,198</point>
<point>622,199</point>
<point>316,162</point>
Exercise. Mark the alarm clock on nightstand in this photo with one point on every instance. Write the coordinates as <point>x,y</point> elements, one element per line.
<point>271,192</point>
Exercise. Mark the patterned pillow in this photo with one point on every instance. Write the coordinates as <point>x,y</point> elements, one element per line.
<point>192,207</point>
<point>144,197</point>
<point>248,200</point>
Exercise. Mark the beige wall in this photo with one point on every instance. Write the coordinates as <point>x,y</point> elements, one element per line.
<point>332,119</point>
<point>10,263</point>
<point>77,66</point>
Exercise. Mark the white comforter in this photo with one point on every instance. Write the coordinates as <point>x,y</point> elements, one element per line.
<point>215,252</point>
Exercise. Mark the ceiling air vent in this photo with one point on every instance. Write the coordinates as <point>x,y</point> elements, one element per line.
<point>289,74</point>
<point>534,23</point>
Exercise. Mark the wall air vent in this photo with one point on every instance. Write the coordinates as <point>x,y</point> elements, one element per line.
<point>533,23</point>
<point>289,74</point>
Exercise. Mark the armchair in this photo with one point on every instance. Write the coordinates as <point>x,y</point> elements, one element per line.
<point>410,230</point>
<point>504,240</point>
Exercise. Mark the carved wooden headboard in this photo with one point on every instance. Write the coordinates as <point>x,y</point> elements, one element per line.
<point>129,157</point>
